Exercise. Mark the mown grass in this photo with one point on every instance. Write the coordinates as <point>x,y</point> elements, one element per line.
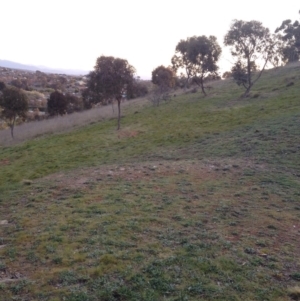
<point>197,199</point>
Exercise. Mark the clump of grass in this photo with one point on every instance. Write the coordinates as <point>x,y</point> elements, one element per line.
<point>2,266</point>
<point>296,276</point>
<point>294,292</point>
<point>27,182</point>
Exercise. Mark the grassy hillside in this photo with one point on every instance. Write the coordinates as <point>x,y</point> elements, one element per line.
<point>198,199</point>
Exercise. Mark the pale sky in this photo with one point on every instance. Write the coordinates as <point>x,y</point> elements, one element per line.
<point>71,34</point>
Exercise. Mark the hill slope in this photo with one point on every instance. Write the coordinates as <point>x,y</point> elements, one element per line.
<point>197,199</point>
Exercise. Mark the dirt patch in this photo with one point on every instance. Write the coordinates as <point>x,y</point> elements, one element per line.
<point>127,134</point>
<point>147,170</point>
<point>7,280</point>
<point>4,162</point>
<point>6,277</point>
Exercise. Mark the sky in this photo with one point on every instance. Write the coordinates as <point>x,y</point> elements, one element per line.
<point>71,34</point>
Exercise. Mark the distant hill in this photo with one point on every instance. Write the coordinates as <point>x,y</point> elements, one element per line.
<point>14,65</point>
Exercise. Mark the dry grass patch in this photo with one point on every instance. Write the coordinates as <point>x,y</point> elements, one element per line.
<point>59,124</point>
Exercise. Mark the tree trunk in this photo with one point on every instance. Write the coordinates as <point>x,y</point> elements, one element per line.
<point>186,84</point>
<point>202,88</point>
<point>200,83</point>
<point>12,124</point>
<point>249,75</point>
<point>12,131</point>
<point>247,90</point>
<point>119,113</point>
<point>112,105</point>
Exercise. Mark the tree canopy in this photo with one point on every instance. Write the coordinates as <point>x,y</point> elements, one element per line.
<point>180,60</point>
<point>57,104</point>
<point>2,85</point>
<point>109,81</point>
<point>250,42</point>
<point>290,35</point>
<point>14,104</point>
<point>198,56</point>
<point>137,89</point>
<point>164,79</point>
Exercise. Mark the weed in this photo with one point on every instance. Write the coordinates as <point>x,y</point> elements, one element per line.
<point>2,266</point>
<point>50,249</point>
<point>296,276</point>
<point>11,252</point>
<point>19,286</point>
<point>57,260</point>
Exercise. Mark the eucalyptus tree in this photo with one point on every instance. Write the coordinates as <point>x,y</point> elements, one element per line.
<point>13,105</point>
<point>180,61</point>
<point>164,79</point>
<point>251,43</point>
<point>109,81</point>
<point>198,56</point>
<point>290,35</point>
<point>57,104</point>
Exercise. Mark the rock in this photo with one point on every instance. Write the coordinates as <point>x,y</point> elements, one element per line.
<point>17,275</point>
<point>27,182</point>
<point>4,222</point>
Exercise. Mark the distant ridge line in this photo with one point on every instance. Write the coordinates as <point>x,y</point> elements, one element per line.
<point>19,66</point>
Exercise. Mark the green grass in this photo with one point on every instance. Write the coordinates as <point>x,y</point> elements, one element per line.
<point>197,199</point>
